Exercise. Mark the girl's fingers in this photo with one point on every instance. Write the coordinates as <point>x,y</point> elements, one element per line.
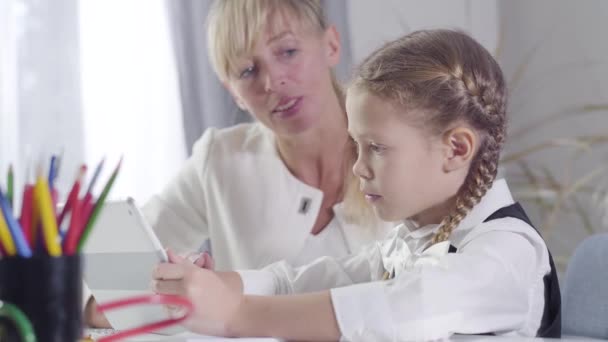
<point>209,262</point>
<point>168,287</point>
<point>166,271</point>
<point>174,257</point>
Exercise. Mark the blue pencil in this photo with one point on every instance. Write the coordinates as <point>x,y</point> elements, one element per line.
<point>20,243</point>
<point>52,171</point>
<point>96,175</point>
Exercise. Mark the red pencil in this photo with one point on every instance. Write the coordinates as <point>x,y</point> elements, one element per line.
<point>80,215</point>
<point>73,196</point>
<point>73,235</point>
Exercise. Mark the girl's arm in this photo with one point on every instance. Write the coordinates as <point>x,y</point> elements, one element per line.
<point>482,288</point>
<point>222,309</point>
<point>307,317</point>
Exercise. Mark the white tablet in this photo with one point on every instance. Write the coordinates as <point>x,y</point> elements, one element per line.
<point>120,254</point>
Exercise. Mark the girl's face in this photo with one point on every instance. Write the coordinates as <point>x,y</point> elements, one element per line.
<point>405,171</point>
<point>286,80</point>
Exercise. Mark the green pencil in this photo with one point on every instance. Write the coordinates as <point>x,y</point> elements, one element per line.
<point>10,184</point>
<point>97,208</point>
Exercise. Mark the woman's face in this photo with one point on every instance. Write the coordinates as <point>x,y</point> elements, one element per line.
<point>285,82</point>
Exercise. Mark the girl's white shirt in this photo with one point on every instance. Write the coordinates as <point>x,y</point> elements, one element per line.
<point>493,283</point>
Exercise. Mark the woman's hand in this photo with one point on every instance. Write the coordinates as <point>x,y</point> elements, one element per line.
<point>216,297</point>
<point>93,317</point>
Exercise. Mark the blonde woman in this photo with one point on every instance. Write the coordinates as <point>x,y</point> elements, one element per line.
<point>270,190</point>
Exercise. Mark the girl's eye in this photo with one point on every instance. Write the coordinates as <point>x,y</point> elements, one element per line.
<point>355,146</point>
<point>376,148</point>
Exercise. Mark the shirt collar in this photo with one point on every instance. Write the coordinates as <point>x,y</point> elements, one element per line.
<point>414,231</point>
<point>498,196</point>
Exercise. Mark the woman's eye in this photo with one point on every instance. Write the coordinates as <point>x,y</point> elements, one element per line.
<point>289,52</point>
<point>247,72</point>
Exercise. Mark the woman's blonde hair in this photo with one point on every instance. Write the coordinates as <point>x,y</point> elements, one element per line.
<point>448,77</point>
<point>233,26</point>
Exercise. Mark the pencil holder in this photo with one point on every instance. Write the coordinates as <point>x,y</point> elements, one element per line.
<point>48,290</point>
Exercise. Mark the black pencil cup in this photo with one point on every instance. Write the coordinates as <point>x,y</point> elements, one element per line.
<point>49,291</point>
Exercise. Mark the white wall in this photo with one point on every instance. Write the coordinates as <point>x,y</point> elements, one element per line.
<point>564,45</point>
<point>375,22</point>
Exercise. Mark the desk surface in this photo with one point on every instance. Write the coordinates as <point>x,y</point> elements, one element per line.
<point>189,337</point>
<point>468,338</point>
<point>475,338</point>
<point>184,337</point>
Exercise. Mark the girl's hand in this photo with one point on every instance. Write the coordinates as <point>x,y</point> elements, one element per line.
<point>205,261</point>
<point>216,303</point>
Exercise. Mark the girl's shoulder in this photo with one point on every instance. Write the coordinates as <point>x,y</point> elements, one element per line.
<point>499,229</point>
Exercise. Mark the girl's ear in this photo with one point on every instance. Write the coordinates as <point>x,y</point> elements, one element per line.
<point>236,98</point>
<point>459,145</point>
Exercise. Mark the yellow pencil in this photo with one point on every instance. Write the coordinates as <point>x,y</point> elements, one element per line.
<point>47,216</point>
<point>5,237</point>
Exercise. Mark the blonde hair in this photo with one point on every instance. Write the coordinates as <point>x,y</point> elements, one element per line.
<point>233,26</point>
<point>451,78</point>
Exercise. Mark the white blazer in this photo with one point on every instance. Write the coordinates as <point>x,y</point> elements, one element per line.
<point>236,193</point>
<point>493,283</point>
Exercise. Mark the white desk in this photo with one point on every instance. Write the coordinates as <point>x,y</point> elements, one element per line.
<point>185,337</point>
<point>189,337</point>
<point>456,338</point>
<point>476,338</point>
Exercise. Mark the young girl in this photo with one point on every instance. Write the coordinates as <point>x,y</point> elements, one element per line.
<point>428,115</point>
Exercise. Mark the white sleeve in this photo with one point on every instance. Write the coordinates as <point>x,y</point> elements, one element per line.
<point>178,214</point>
<point>482,288</point>
<point>322,274</point>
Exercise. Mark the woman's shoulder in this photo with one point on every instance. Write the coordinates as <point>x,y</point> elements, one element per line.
<point>250,137</point>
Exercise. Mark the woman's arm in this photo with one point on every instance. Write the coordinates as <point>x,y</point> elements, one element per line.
<point>92,317</point>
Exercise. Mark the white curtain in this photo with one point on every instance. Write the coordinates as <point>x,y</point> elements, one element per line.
<point>130,94</point>
<point>39,85</point>
<point>90,79</point>
<point>8,123</point>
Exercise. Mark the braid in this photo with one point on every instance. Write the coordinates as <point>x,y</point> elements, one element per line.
<point>477,183</point>
<point>487,107</point>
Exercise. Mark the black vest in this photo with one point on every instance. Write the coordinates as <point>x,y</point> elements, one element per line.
<point>551,323</point>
